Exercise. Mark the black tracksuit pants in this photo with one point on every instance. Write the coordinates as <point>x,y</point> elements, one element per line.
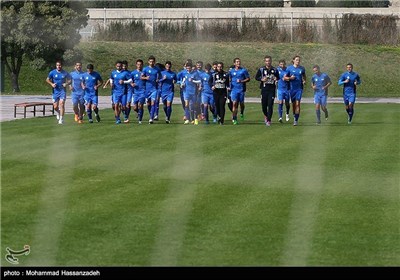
<point>267,102</point>
<point>220,101</point>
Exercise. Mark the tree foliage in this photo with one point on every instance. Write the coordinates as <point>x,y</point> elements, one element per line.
<point>40,31</point>
<point>184,4</point>
<point>354,3</point>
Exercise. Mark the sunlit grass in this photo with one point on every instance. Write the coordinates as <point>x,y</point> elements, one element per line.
<point>204,195</point>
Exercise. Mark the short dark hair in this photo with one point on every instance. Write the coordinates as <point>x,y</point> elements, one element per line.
<point>90,66</point>
<point>208,66</point>
<point>349,64</point>
<point>152,57</point>
<point>267,56</point>
<point>168,62</point>
<point>316,66</point>
<point>139,60</point>
<point>282,61</point>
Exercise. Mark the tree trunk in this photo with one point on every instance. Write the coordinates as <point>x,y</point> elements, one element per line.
<point>14,69</point>
<point>14,82</point>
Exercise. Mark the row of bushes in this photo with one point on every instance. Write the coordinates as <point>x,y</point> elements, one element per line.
<point>351,28</point>
<point>235,3</point>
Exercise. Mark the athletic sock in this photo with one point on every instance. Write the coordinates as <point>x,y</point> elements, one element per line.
<point>280,110</point>
<point>296,117</point>
<point>351,113</point>
<point>96,111</point>
<point>127,112</point>
<point>318,112</point>
<point>187,113</point>
<point>169,111</point>
<point>140,114</point>
<point>326,113</point>
<point>89,113</point>
<point>152,112</point>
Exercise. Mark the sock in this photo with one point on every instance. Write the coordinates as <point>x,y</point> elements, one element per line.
<point>96,111</point>
<point>152,112</point>
<point>149,108</point>
<point>280,110</point>
<point>326,113</point>
<point>140,114</point>
<point>165,110</point>
<point>117,118</point>
<point>296,117</point>
<point>205,112</point>
<point>287,109</point>
<point>351,113</point>
<point>157,104</point>
<point>169,111</point>
<point>214,112</point>
<point>187,113</point>
<point>127,112</point>
<point>318,112</point>
<point>89,113</point>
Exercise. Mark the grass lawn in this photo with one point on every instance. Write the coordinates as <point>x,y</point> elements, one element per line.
<point>371,62</point>
<point>127,195</point>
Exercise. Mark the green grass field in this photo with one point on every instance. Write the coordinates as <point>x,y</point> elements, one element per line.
<point>176,195</point>
<point>377,65</point>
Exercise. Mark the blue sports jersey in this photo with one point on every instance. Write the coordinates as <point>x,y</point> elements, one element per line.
<point>206,83</point>
<point>235,75</point>
<point>167,81</point>
<point>154,74</point>
<point>91,80</point>
<point>320,81</point>
<point>117,76</point>
<point>191,79</point>
<point>77,79</point>
<point>298,72</point>
<point>140,85</point>
<point>129,88</point>
<point>59,78</point>
<point>349,88</point>
<point>282,84</point>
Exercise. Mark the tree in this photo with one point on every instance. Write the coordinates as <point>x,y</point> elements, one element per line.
<point>40,31</point>
<point>302,3</point>
<point>354,3</point>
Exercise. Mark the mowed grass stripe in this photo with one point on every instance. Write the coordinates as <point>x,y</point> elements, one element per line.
<point>53,199</point>
<point>185,175</point>
<point>308,186</point>
<point>123,190</point>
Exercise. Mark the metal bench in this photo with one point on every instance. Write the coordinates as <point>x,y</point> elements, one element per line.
<point>41,105</point>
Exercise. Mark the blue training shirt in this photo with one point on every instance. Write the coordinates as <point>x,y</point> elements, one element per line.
<point>235,75</point>
<point>154,74</point>
<point>91,80</point>
<point>298,72</point>
<point>59,78</point>
<point>320,81</point>
<point>77,79</point>
<point>117,76</point>
<point>168,78</point>
<point>349,88</point>
<point>282,84</point>
<point>140,85</point>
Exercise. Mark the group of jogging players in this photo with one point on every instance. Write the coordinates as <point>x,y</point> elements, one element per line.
<point>204,90</point>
